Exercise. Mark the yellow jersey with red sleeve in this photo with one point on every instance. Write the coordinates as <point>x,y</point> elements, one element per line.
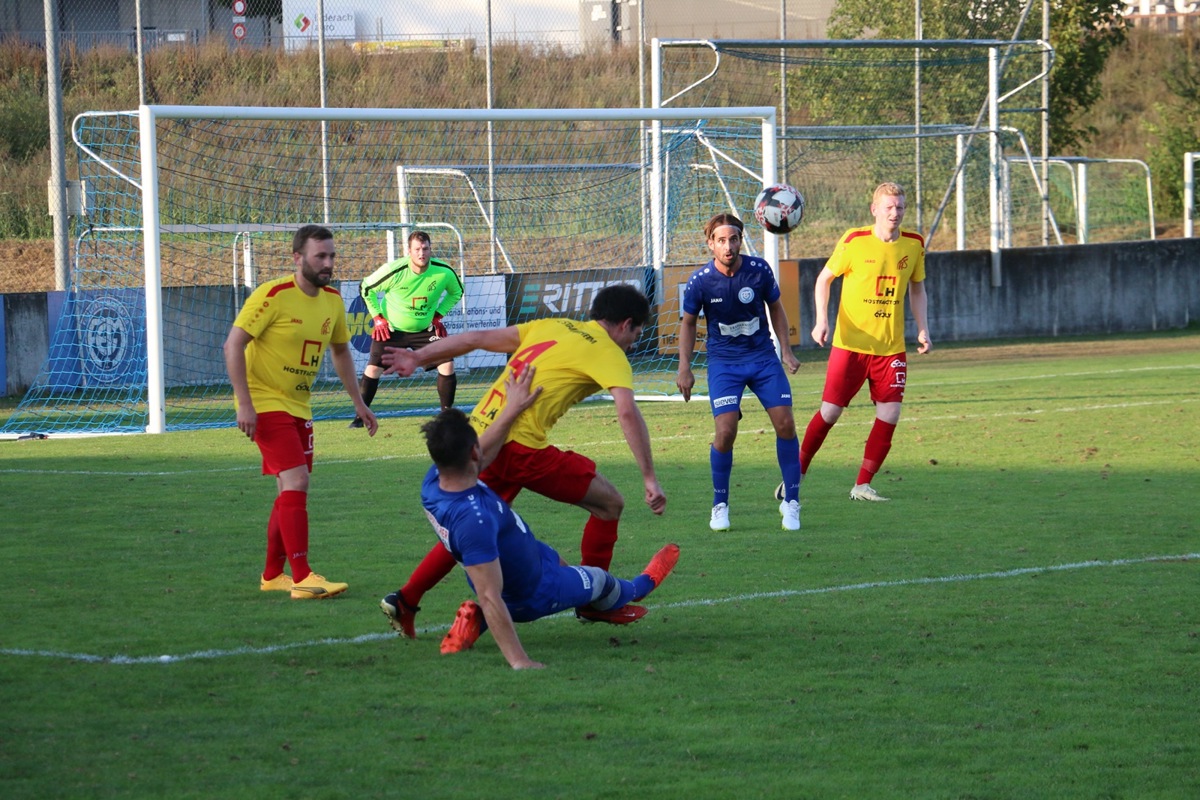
<point>875,276</point>
<point>291,332</point>
<point>574,360</point>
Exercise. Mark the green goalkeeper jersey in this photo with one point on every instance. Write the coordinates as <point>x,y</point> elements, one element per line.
<point>408,300</point>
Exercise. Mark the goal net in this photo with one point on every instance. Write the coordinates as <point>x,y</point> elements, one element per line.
<point>190,208</point>
<point>855,113</point>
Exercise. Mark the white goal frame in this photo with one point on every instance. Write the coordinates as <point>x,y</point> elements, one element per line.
<point>997,52</point>
<point>149,116</point>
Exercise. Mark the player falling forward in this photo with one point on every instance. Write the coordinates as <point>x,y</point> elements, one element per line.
<point>516,577</point>
<point>574,360</point>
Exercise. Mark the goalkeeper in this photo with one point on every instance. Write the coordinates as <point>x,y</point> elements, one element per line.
<point>407,299</point>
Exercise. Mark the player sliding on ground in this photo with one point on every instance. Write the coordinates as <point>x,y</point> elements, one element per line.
<point>574,360</point>
<point>516,577</point>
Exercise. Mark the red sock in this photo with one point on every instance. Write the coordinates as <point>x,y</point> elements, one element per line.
<point>814,437</point>
<point>437,564</point>
<point>292,510</point>
<point>879,442</point>
<point>599,538</point>
<point>276,552</point>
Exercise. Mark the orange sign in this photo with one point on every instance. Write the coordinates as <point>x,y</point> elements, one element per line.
<point>674,279</point>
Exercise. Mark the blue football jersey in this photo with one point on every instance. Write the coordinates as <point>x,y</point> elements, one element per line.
<point>734,308</point>
<point>476,526</point>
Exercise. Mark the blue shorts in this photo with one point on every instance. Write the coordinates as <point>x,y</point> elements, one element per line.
<point>560,588</point>
<point>765,377</point>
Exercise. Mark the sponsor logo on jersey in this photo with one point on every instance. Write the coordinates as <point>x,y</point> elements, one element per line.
<point>728,400</point>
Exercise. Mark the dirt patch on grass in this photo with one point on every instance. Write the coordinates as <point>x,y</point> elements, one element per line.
<point>1113,345</point>
<point>26,265</point>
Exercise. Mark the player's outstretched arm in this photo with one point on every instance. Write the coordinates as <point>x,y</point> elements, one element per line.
<point>488,580</point>
<point>637,436</point>
<point>494,340</point>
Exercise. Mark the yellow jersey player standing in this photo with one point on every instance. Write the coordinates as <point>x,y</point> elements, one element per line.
<point>273,354</point>
<point>878,265</point>
<point>574,360</point>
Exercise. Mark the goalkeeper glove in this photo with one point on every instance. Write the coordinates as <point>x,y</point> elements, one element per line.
<point>439,330</point>
<point>381,331</point>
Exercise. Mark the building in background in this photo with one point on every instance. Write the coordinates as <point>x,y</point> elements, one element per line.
<point>397,24</point>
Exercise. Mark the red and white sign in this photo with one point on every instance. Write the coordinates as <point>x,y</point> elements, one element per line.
<point>239,31</point>
<point>239,8</point>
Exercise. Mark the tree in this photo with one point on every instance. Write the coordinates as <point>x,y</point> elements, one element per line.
<point>1178,129</point>
<point>1083,34</point>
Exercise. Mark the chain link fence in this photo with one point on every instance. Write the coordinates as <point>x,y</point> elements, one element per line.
<point>394,24</point>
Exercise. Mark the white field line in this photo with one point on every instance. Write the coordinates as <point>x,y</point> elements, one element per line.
<point>742,598</point>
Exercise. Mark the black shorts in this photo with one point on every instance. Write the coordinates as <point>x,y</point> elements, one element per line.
<point>414,341</point>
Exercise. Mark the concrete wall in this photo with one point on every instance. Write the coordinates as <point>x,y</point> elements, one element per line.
<point>1125,287</point>
<point>1129,287</point>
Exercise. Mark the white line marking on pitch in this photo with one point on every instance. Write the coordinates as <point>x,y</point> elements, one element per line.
<point>376,637</point>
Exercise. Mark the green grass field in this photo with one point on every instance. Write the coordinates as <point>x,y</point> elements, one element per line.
<point>1021,621</point>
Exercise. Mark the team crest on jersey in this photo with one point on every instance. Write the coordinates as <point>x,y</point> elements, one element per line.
<point>328,324</point>
<point>746,294</point>
<point>903,265</point>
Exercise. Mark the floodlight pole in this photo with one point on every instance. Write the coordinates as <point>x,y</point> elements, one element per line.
<point>141,54</point>
<point>58,168</point>
<point>918,34</point>
<point>993,103</point>
<point>324,104</point>
<point>1045,124</point>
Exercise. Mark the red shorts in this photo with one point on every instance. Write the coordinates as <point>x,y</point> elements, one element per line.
<point>848,371</point>
<point>285,441</point>
<point>561,475</point>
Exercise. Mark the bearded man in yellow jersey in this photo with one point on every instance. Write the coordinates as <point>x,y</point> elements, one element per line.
<point>574,360</point>
<point>273,354</point>
<point>878,265</point>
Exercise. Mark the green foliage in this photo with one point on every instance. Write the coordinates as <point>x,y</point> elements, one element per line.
<point>1006,627</point>
<point>1178,130</point>
<point>24,125</point>
<point>1083,35</point>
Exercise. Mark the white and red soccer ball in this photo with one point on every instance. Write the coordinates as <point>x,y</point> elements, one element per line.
<point>779,208</point>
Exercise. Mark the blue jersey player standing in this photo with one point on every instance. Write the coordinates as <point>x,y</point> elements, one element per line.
<point>738,294</point>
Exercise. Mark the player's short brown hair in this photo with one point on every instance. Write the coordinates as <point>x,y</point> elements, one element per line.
<point>316,232</point>
<point>620,302</point>
<point>449,438</point>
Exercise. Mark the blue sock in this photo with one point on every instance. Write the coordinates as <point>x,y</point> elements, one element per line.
<point>787,451</point>
<point>721,465</point>
<point>642,586</point>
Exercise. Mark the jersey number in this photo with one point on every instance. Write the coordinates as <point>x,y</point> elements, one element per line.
<point>523,358</point>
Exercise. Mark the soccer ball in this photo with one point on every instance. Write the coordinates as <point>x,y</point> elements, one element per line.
<point>779,208</point>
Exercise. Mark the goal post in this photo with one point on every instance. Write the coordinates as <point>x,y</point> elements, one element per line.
<point>899,108</point>
<point>191,206</point>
